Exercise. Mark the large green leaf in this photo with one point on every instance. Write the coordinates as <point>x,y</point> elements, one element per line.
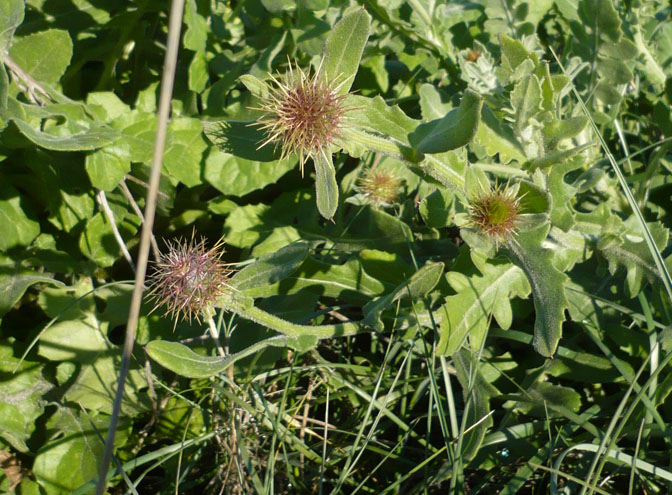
<point>497,137</point>
<point>21,398</point>
<point>72,455</point>
<point>98,242</point>
<point>344,46</point>
<point>184,151</point>
<point>241,139</point>
<point>467,313</point>
<point>548,287</point>
<point>453,130</point>
<point>91,138</point>
<point>628,249</point>
<point>236,176</point>
<point>83,341</point>
<point>108,166</point>
<point>347,281</point>
<point>44,55</point>
<point>373,115</point>
<point>271,268</point>
<point>11,16</point>
<point>180,359</point>
<point>18,229</point>
<point>13,284</point>
<point>601,16</point>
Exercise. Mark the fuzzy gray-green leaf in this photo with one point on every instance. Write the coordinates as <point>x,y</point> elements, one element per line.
<point>548,287</point>
<point>343,49</point>
<point>452,131</point>
<point>326,188</point>
<point>271,268</point>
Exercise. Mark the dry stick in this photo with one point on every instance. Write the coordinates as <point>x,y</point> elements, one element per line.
<point>138,212</point>
<point>215,337</point>
<point>102,200</point>
<point>32,86</point>
<point>168,77</point>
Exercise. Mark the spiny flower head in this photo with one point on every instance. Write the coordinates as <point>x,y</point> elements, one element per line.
<point>188,278</point>
<point>380,187</point>
<point>496,213</point>
<point>302,113</point>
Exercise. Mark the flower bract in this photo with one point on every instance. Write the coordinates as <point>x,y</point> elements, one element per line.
<point>379,187</point>
<point>302,113</point>
<point>496,213</point>
<point>188,278</point>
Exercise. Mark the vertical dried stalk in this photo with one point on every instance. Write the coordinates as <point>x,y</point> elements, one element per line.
<point>168,77</point>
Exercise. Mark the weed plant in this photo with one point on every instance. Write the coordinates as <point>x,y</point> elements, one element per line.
<point>335,247</point>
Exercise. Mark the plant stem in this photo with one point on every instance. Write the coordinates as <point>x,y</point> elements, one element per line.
<point>378,144</point>
<point>215,336</point>
<point>285,327</point>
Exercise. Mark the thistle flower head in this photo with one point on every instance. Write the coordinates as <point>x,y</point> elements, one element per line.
<point>188,278</point>
<point>302,113</point>
<point>379,187</point>
<point>496,213</point>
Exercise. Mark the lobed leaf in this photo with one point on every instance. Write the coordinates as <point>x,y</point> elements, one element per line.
<point>548,287</point>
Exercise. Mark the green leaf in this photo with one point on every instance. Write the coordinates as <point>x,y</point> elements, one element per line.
<point>198,72</point>
<point>13,284</point>
<point>452,131</point>
<point>108,166</point>
<point>271,268</point>
<point>255,86</point>
<point>83,341</point>
<point>517,62</point>
<point>138,130</point>
<point>98,243</point>
<point>497,137</point>
<point>44,55</point>
<point>73,454</point>
<point>526,101</point>
<point>543,398</point>
<point>11,16</point>
<point>106,105</point>
<point>431,103</point>
<point>347,281</point>
<point>476,392</point>
<point>468,312</point>
<point>21,398</point>
<point>415,288</point>
<point>629,250</point>
<point>196,34</point>
<point>548,287</point>
<point>375,116</point>
<point>241,139</point>
<point>557,130</point>
<point>96,136</point>
<point>437,209</point>
<point>326,187</point>
<point>184,151</point>
<point>18,229</point>
<point>343,48</point>
<point>615,70</point>
<point>602,16</point>
<point>236,176</point>
<point>180,359</point>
